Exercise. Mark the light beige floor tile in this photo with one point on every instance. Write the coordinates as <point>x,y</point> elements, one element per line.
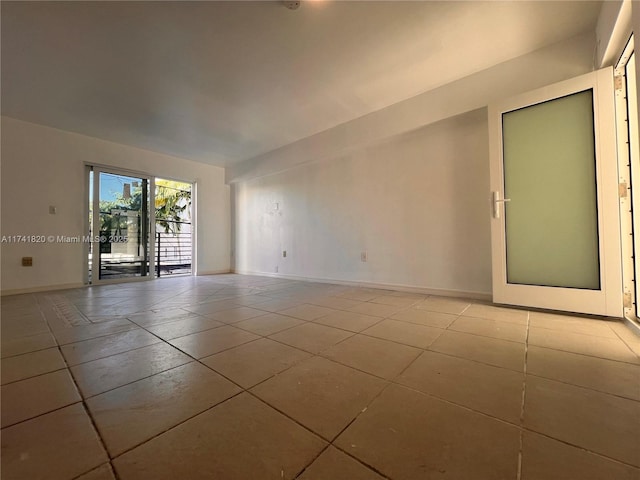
<point>617,378</point>
<point>372,355</point>
<point>425,317</point>
<point>31,364</point>
<point>207,343</point>
<point>249,300</point>
<point>568,323</point>
<point>402,332</point>
<point>610,348</point>
<point>376,309</point>
<point>37,395</point>
<point>336,303</point>
<point>236,314</point>
<point>311,337</point>
<point>415,296</point>
<point>334,465</point>
<point>268,324</point>
<point>79,333</point>
<point>591,420</point>
<point>186,326</point>
<point>129,415</point>
<point>361,295</point>
<point>491,328</point>
<point>493,351</point>
<point>307,312</point>
<point>251,441</point>
<point>397,437</point>
<point>276,304</point>
<point>491,390</point>
<point>254,362</point>
<point>57,446</point>
<point>103,472</point>
<point>107,373</point>
<point>395,300</point>
<point>28,344</point>
<point>444,305</point>
<point>17,327</point>
<point>320,394</point>
<point>492,312</point>
<point>627,335</point>
<point>148,319</point>
<point>212,308</point>
<point>76,353</point>
<point>354,322</point>
<point>546,459</point>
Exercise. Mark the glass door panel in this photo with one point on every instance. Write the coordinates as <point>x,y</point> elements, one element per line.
<point>550,180</point>
<point>120,227</point>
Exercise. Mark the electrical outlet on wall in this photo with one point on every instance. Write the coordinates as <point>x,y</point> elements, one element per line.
<point>363,256</point>
<point>284,253</point>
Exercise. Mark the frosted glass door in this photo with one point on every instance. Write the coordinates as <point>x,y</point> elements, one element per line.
<point>550,179</point>
<point>554,187</point>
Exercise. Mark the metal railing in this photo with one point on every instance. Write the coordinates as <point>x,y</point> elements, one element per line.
<point>173,251</point>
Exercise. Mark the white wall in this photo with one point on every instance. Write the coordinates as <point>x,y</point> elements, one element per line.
<point>612,31</point>
<point>548,65</point>
<point>417,203</point>
<point>42,166</point>
<point>409,184</point>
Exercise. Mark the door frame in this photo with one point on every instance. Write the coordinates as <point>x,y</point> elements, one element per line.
<point>628,232</point>
<point>609,299</point>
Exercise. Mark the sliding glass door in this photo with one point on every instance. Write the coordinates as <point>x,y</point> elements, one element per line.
<point>121,223</point>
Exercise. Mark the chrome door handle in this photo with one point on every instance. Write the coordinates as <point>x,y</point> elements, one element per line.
<point>496,204</point>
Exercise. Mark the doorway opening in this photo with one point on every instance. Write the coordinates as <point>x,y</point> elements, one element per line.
<point>173,227</point>
<point>139,227</point>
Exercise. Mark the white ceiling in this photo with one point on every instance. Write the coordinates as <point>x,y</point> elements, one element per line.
<point>220,82</point>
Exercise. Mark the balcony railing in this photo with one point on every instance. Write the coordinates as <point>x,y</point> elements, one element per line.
<point>173,251</point>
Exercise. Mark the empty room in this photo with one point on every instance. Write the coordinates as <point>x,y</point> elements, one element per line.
<point>320,240</point>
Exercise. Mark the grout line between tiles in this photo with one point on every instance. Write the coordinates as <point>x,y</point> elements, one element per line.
<point>587,355</point>
<point>622,397</point>
<point>37,375</point>
<point>177,424</point>
<point>579,447</point>
<point>43,413</point>
<point>361,412</point>
<point>329,441</point>
<point>625,342</point>
<point>524,393</point>
<point>326,447</point>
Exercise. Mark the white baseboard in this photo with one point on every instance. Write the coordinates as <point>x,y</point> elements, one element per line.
<point>383,286</point>
<point>20,291</point>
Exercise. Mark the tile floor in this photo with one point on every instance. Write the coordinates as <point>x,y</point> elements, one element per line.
<point>240,377</point>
